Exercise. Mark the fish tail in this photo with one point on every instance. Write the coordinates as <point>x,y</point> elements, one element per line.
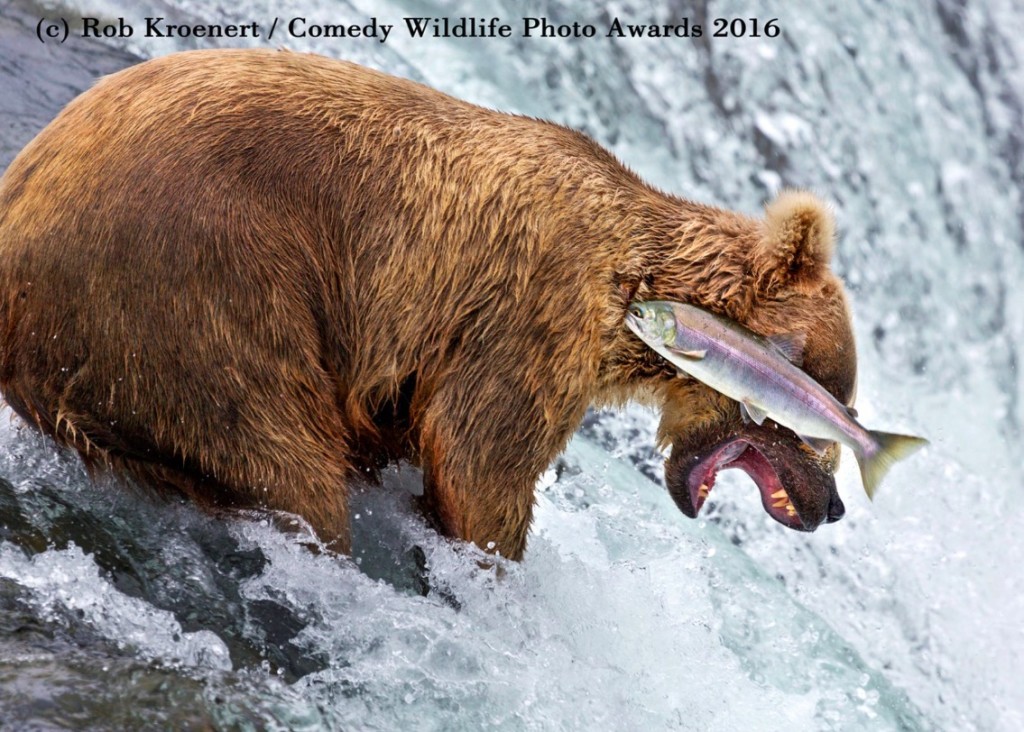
<point>888,449</point>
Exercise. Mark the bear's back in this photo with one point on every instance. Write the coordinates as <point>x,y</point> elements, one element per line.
<point>234,223</point>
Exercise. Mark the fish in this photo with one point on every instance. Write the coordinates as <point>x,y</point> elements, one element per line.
<point>763,374</point>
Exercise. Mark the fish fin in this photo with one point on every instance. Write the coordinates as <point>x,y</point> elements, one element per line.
<point>752,413</point>
<point>890,449</point>
<point>692,355</point>
<point>851,411</point>
<point>790,345</point>
<point>815,443</point>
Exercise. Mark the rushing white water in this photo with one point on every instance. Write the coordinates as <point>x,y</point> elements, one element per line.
<point>625,614</point>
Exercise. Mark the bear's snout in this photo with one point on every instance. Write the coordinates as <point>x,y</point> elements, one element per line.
<point>797,487</point>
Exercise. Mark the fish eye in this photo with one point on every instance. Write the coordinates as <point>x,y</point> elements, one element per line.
<point>636,311</point>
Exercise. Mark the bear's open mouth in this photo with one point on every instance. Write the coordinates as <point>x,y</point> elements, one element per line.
<point>741,454</point>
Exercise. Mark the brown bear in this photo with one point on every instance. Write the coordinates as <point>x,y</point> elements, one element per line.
<point>255,276</point>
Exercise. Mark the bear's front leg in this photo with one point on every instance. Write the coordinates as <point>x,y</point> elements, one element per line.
<point>483,445</point>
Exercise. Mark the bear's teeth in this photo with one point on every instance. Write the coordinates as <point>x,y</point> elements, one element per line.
<point>781,493</point>
<point>702,492</point>
<point>781,503</point>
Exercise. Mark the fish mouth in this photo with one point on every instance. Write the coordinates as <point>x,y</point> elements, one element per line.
<point>795,489</point>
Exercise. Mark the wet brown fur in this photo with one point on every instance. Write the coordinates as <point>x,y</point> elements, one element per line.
<point>252,275</point>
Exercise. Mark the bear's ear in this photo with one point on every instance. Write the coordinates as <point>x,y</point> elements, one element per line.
<point>796,242</point>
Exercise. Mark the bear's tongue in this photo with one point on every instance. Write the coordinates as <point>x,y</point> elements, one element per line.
<point>741,454</point>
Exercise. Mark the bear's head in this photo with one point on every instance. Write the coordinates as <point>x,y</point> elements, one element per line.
<point>773,276</point>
